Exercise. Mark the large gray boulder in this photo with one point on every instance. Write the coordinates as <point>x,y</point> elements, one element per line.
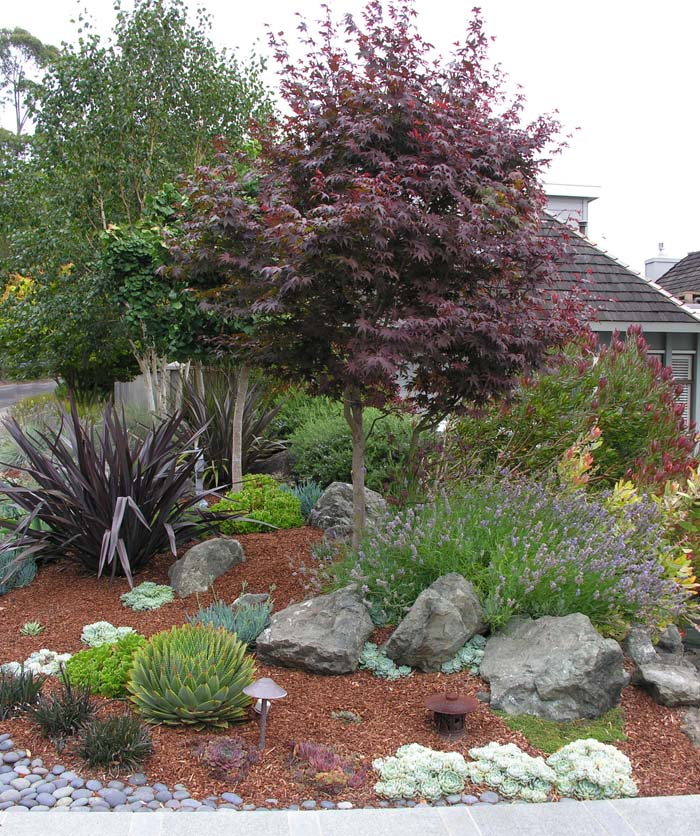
<point>334,510</point>
<point>202,564</point>
<point>443,617</point>
<point>671,683</point>
<point>323,635</point>
<point>557,668</point>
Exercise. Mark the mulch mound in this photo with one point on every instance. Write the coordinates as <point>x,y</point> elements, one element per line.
<point>63,599</point>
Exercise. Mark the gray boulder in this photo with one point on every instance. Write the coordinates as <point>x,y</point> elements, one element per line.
<point>690,726</point>
<point>637,645</point>
<point>670,683</point>
<point>323,635</point>
<point>557,668</point>
<point>670,641</point>
<point>444,616</point>
<point>203,563</point>
<point>334,510</point>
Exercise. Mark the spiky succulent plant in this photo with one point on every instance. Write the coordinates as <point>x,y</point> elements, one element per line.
<point>194,675</point>
<point>31,628</point>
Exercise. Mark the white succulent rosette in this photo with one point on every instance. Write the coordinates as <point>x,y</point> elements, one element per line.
<point>103,632</point>
<point>589,769</point>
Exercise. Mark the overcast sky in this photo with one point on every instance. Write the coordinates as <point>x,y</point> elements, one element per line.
<point>623,75</point>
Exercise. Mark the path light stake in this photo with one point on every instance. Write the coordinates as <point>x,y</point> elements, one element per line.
<point>449,712</point>
<point>265,690</point>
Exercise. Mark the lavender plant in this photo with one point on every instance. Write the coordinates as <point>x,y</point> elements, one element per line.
<point>528,549</point>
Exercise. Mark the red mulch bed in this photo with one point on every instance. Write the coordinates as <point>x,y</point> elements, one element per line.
<point>392,713</point>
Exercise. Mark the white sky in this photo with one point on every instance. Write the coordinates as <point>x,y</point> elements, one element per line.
<point>625,73</point>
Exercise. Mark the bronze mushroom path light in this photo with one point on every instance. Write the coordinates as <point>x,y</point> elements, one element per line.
<point>264,689</point>
<point>449,712</point>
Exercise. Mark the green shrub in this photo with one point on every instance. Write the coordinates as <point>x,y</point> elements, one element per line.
<point>528,550</point>
<point>548,735</point>
<point>105,669</point>
<point>148,596</point>
<point>192,675</point>
<point>321,447</point>
<point>247,621</point>
<point>263,500</point>
<point>120,741</point>
<point>621,390</point>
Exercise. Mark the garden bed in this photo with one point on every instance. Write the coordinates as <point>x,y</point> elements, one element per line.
<point>392,713</point>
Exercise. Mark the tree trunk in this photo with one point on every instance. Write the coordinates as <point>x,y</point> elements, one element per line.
<point>237,429</point>
<point>352,406</point>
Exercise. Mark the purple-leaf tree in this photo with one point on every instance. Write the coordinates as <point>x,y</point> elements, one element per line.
<point>393,245</point>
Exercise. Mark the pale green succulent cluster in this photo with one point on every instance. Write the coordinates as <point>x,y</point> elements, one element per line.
<point>102,632</point>
<point>148,596</point>
<point>418,772</point>
<point>468,658</point>
<point>511,772</point>
<point>374,659</point>
<point>44,661</point>
<point>31,628</point>
<point>589,769</point>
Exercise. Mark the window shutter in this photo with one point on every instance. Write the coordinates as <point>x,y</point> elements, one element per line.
<point>682,367</point>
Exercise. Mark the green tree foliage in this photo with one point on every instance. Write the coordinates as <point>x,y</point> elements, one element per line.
<point>396,234</point>
<point>619,389</point>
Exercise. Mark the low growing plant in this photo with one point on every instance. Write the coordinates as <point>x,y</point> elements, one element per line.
<point>468,658</point>
<point>148,596</point>
<point>62,712</point>
<point>308,492</point>
<point>117,742</point>
<point>14,573</point>
<point>591,770</point>
<point>192,675</point>
<point>105,669</point>
<point>102,632</point>
<point>548,735</point>
<point>45,662</point>
<point>374,660</point>
<point>229,758</point>
<point>325,769</point>
<point>529,550</point>
<point>31,628</point>
<point>18,690</point>
<point>347,717</point>
<point>418,772</point>
<point>265,505</point>
<point>247,621</point>
<point>511,772</point>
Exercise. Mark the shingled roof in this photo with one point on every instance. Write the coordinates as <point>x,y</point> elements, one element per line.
<point>618,294</point>
<point>684,276</point>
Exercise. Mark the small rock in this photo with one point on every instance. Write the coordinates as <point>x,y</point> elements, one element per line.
<point>62,792</point>
<point>46,799</point>
<point>483,696</point>
<point>20,783</point>
<point>10,795</point>
<point>58,769</point>
<point>163,796</point>
<point>469,799</point>
<point>670,641</point>
<point>137,780</point>
<point>489,797</point>
<point>327,805</point>
<point>309,804</point>
<point>93,785</point>
<point>180,795</point>
<point>690,726</point>
<point>113,797</point>
<point>232,798</point>
<point>453,799</point>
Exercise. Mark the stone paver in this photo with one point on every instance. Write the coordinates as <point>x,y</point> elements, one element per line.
<point>676,816</point>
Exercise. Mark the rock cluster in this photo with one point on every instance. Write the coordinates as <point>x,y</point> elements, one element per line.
<point>662,670</point>
<point>557,668</point>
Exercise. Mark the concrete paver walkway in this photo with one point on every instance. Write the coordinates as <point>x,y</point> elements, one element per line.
<point>673,816</point>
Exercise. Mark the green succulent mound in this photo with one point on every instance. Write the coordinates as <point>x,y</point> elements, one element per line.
<point>105,669</point>
<point>192,675</point>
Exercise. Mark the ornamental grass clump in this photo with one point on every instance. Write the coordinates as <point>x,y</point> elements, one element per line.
<point>62,712</point>
<point>117,742</point>
<point>528,549</point>
<point>511,772</point>
<point>192,675</point>
<point>418,772</point>
<point>18,690</point>
<point>104,498</point>
<point>589,769</point>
